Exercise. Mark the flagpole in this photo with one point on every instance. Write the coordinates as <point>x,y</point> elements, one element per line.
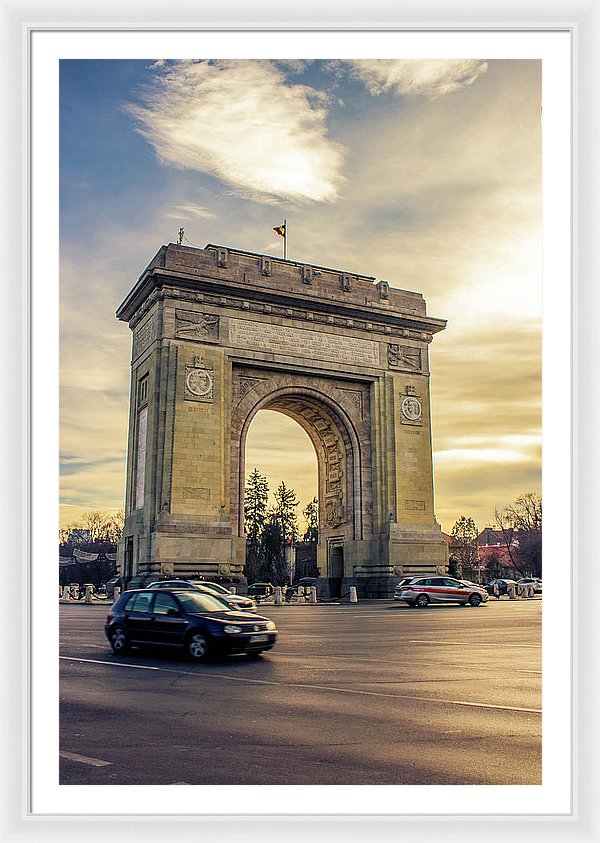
<point>285,240</point>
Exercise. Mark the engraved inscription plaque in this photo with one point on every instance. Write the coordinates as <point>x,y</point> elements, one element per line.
<point>303,343</point>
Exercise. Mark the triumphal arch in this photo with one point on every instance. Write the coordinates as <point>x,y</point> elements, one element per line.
<point>219,334</point>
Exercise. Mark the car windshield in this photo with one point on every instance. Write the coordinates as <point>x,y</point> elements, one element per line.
<point>197,601</point>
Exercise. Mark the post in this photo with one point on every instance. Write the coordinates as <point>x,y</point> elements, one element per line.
<point>313,594</point>
<point>353,594</point>
<point>278,600</point>
<point>116,594</point>
<point>88,594</point>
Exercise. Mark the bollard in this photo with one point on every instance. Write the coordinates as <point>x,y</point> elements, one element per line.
<point>530,591</point>
<point>88,594</point>
<point>313,594</point>
<point>353,594</point>
<point>60,592</point>
<point>66,595</point>
<point>278,600</point>
<point>74,591</point>
<point>116,594</point>
<point>520,591</point>
<point>511,592</point>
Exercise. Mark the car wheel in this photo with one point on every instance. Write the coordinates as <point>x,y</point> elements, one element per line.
<point>118,641</point>
<point>475,599</point>
<point>422,601</point>
<point>197,647</point>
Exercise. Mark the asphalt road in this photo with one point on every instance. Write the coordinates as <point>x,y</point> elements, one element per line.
<point>368,693</point>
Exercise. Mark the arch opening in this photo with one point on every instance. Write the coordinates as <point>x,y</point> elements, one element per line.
<point>340,466</point>
<point>282,451</point>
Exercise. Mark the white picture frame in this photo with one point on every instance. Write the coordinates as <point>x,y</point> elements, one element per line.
<point>18,21</point>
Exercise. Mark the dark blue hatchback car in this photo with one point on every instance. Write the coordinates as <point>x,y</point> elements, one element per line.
<point>200,623</point>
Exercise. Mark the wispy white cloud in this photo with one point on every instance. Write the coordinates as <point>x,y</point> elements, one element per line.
<point>426,77</point>
<point>241,122</point>
<point>190,209</point>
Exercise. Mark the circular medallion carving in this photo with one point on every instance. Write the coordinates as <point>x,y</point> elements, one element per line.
<point>411,408</point>
<point>199,382</point>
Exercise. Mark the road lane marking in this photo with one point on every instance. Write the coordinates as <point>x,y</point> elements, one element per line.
<point>110,664</point>
<point>521,670</point>
<point>377,694</point>
<point>309,687</point>
<point>476,643</point>
<point>83,759</point>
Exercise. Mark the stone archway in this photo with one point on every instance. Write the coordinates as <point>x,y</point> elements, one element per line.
<point>219,334</point>
<point>335,415</point>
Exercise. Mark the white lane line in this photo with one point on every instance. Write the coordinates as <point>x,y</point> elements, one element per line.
<point>110,664</point>
<point>377,694</point>
<point>477,643</point>
<point>520,670</point>
<point>308,687</point>
<point>83,759</point>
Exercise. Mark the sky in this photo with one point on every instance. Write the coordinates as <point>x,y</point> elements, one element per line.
<point>426,173</point>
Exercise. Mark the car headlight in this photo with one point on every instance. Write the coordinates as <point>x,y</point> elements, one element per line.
<point>232,629</point>
<point>270,625</point>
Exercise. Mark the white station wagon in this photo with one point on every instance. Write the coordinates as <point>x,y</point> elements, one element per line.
<point>421,591</point>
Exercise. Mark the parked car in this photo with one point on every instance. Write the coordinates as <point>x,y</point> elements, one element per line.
<point>261,590</point>
<point>109,587</point>
<point>187,618</point>
<point>503,586</point>
<point>235,601</point>
<point>534,581</point>
<point>421,591</point>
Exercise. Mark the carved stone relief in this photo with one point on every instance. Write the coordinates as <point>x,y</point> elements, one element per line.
<point>199,384</point>
<point>354,398</point>
<point>333,515</point>
<point>196,326</point>
<point>384,290</point>
<point>143,337</point>
<point>404,357</point>
<point>244,385</point>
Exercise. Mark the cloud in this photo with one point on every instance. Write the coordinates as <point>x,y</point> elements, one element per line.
<point>411,77</point>
<point>240,122</point>
<point>190,209</point>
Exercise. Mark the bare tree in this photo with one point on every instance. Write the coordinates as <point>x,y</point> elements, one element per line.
<point>520,524</point>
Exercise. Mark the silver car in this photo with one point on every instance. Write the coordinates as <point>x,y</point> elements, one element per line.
<point>234,601</point>
<point>421,591</point>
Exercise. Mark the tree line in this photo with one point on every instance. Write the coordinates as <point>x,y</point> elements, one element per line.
<point>518,527</point>
<point>102,527</point>
<point>271,531</point>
